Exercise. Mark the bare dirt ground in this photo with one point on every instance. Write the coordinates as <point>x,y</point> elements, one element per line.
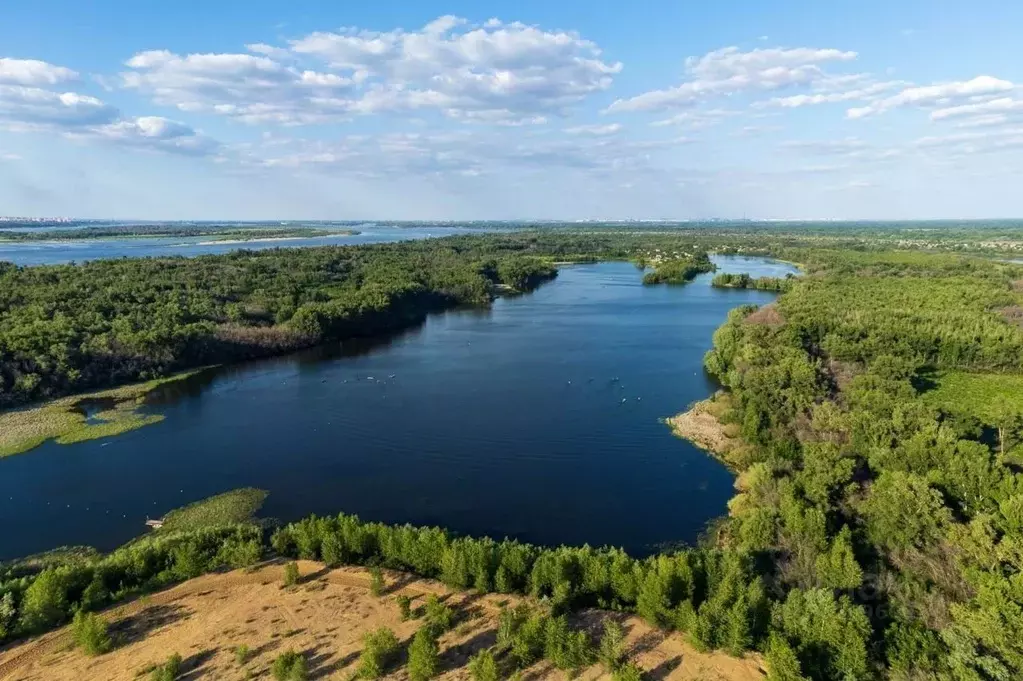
<point>324,617</point>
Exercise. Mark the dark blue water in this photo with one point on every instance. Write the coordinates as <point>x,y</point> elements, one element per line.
<point>501,422</point>
<point>55,252</point>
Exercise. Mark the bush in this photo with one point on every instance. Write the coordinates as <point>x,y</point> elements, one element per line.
<point>242,653</point>
<point>291,574</point>
<point>423,662</point>
<point>289,666</point>
<point>438,616</point>
<point>405,608</point>
<point>378,648</point>
<point>612,646</point>
<point>566,649</point>
<point>168,671</point>
<point>376,581</point>
<point>45,601</point>
<point>627,672</point>
<point>90,633</point>
<point>483,666</point>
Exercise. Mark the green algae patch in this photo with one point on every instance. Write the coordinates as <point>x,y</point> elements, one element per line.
<point>67,420</point>
<point>238,506</point>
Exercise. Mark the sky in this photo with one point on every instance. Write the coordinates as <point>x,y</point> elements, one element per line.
<point>258,110</point>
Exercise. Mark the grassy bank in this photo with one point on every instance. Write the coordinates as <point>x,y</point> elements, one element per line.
<point>66,420</point>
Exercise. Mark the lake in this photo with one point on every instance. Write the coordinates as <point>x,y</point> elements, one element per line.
<point>58,252</point>
<point>536,419</point>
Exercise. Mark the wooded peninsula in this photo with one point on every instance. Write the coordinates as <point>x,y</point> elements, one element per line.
<point>877,527</point>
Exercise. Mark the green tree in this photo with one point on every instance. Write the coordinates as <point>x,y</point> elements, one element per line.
<point>612,646</point>
<point>89,631</point>
<point>837,567</point>
<point>289,666</point>
<point>423,655</point>
<point>45,601</point>
<point>378,649</point>
<point>483,666</point>
<point>291,573</point>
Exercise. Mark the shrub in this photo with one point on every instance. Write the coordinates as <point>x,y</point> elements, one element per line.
<point>45,601</point>
<point>242,653</point>
<point>405,608</point>
<point>291,574</point>
<point>438,616</point>
<point>378,648</point>
<point>289,666</point>
<point>565,648</point>
<point>89,631</point>
<point>612,646</point>
<point>423,662</point>
<point>376,581</point>
<point>627,672</point>
<point>483,666</point>
<point>168,671</point>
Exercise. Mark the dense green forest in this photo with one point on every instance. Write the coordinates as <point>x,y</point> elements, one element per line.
<point>777,284</point>
<point>679,270</point>
<point>877,531</point>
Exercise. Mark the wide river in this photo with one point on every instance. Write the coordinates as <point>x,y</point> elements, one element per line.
<point>536,419</point>
<point>64,251</point>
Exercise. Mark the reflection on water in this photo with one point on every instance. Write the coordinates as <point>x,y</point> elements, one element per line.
<point>536,419</point>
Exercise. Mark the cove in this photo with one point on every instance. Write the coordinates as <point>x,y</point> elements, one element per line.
<point>536,419</point>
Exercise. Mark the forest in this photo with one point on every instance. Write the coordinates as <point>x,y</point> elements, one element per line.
<point>877,527</point>
<point>743,280</point>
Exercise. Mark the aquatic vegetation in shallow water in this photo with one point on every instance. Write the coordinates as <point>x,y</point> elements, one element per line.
<point>68,420</point>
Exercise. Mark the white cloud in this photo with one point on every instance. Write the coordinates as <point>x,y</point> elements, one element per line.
<point>8,156</point>
<point>974,142</point>
<point>496,72</point>
<point>595,130</point>
<point>992,106</point>
<point>842,146</point>
<point>26,108</point>
<point>697,118</point>
<point>32,108</point>
<point>155,134</point>
<point>729,70</point>
<point>251,88</point>
<point>32,72</point>
<point>934,95</point>
<point>867,92</point>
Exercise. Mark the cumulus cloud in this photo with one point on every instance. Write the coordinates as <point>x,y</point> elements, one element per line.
<point>155,133</point>
<point>32,108</point>
<point>25,108</point>
<point>496,72</point>
<point>32,72</point>
<point>252,88</point>
<point>730,70</point>
<point>940,94</point>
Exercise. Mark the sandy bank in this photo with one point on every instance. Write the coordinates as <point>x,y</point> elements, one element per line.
<point>325,617</point>
<point>702,426</point>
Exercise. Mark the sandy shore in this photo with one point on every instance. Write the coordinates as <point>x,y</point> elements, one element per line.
<point>701,426</point>
<point>324,617</point>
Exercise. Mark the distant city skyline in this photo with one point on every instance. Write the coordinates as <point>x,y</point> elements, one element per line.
<point>511,111</point>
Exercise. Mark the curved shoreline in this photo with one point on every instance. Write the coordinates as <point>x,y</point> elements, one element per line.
<point>701,425</point>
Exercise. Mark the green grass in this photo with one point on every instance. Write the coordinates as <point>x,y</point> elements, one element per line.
<point>985,396</point>
<point>63,420</point>
<point>236,506</point>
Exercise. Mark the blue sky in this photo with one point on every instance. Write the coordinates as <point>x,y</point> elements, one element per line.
<point>469,110</point>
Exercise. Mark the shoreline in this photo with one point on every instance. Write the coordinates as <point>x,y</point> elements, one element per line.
<point>701,426</point>
<point>66,421</point>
